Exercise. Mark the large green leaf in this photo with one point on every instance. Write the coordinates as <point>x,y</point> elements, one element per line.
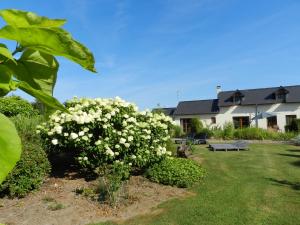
<point>36,68</point>
<point>19,18</point>
<point>10,146</point>
<point>5,53</point>
<point>54,41</point>
<point>48,100</point>
<point>6,83</point>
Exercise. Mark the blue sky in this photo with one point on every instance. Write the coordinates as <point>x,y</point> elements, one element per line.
<point>159,51</point>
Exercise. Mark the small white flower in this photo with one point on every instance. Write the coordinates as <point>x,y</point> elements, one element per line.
<point>81,133</point>
<point>85,138</point>
<point>66,134</point>
<point>38,131</point>
<point>130,164</point>
<point>98,142</point>
<point>130,138</point>
<point>133,156</point>
<point>122,140</point>
<point>117,146</point>
<point>127,145</point>
<point>74,136</point>
<point>54,141</point>
<point>85,158</point>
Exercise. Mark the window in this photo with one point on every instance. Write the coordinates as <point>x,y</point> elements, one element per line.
<point>186,125</point>
<point>241,121</point>
<point>272,122</point>
<point>238,97</point>
<point>290,118</point>
<point>282,94</point>
<point>213,120</point>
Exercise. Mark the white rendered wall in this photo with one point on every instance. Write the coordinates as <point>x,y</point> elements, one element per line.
<point>226,113</point>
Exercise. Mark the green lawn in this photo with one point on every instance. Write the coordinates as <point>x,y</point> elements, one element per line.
<point>260,186</point>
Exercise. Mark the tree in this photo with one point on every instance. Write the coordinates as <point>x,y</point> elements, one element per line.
<point>39,39</point>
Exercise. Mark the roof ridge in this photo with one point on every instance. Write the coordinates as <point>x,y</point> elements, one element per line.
<point>253,89</point>
<point>199,100</point>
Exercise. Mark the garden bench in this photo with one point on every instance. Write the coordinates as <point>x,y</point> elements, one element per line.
<point>238,145</point>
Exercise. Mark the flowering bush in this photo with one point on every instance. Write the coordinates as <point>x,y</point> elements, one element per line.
<point>108,131</point>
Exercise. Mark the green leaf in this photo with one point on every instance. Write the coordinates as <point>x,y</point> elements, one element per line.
<point>5,53</point>
<point>48,100</point>
<point>19,18</point>
<point>37,69</point>
<point>6,83</point>
<point>54,41</point>
<point>10,146</point>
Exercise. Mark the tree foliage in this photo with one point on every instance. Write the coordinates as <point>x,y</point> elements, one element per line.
<point>39,39</point>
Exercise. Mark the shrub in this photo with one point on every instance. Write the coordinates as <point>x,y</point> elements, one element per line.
<point>228,131</point>
<point>294,126</point>
<point>15,105</point>
<point>177,131</point>
<point>176,172</point>
<point>205,131</point>
<point>33,166</point>
<point>108,131</point>
<point>196,126</point>
<point>171,147</point>
<point>110,181</point>
<point>253,133</point>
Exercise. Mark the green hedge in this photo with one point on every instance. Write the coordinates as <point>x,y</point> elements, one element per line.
<point>14,105</point>
<point>176,172</point>
<point>249,133</point>
<point>33,166</point>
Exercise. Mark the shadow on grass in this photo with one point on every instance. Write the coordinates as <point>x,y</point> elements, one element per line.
<point>296,163</point>
<point>293,150</point>
<point>293,185</point>
<point>289,155</point>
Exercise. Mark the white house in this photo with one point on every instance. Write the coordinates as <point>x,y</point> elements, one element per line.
<point>281,104</point>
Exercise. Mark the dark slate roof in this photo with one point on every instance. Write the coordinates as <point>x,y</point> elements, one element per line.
<point>167,111</point>
<point>260,96</point>
<point>197,107</point>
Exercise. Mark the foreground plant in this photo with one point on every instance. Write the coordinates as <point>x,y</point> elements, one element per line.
<point>39,40</point>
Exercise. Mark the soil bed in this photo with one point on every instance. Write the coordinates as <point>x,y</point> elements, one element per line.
<point>56,203</point>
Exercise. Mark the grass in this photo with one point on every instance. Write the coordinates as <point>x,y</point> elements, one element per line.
<point>256,187</point>
<point>53,205</point>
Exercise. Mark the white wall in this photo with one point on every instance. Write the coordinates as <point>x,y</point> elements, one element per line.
<point>226,113</point>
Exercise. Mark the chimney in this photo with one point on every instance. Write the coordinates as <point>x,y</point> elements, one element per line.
<point>218,89</point>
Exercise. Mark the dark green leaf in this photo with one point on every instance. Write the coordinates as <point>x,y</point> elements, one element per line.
<point>48,100</point>
<point>38,69</point>
<point>10,146</point>
<point>19,18</point>
<point>54,41</point>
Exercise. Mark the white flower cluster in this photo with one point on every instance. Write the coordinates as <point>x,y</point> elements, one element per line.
<point>108,131</point>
